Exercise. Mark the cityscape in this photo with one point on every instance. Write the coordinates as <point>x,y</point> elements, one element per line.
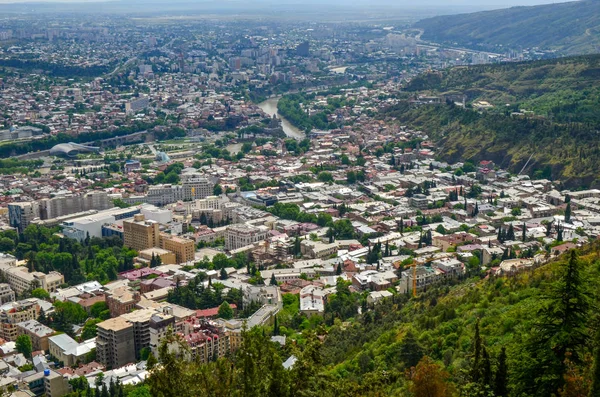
<point>239,204</point>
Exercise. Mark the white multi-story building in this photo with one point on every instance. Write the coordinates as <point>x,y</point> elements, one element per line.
<point>241,235</point>
<point>20,279</point>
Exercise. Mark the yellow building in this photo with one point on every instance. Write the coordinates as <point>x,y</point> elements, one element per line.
<point>183,248</point>
<point>140,234</point>
<point>166,257</point>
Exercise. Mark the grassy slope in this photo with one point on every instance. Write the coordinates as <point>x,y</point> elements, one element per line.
<point>569,28</point>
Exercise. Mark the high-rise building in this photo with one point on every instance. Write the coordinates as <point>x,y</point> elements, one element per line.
<point>196,186</point>
<point>73,203</point>
<point>183,248</point>
<point>20,215</point>
<point>115,344</point>
<point>303,49</point>
<point>140,234</point>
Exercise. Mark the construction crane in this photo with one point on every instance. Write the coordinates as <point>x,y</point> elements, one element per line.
<point>414,265</point>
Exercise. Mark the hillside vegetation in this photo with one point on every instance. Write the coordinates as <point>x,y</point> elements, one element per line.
<point>567,89</point>
<point>569,152</point>
<point>561,135</point>
<point>568,28</point>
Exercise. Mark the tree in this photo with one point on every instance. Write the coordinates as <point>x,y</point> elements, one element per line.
<point>24,345</point>
<point>561,329</point>
<point>430,380</point>
<point>476,360</point>
<point>486,370</point>
<point>6,244</point>
<point>410,350</point>
<point>510,235</point>
<point>338,270</point>
<point>351,177</point>
<point>524,237</point>
<point>145,353</point>
<point>276,326</point>
<point>225,311</point>
<point>40,293</point>
<point>151,361</point>
<point>273,279</point>
<point>568,213</point>
<point>501,377</point>
<point>223,274</point>
<point>217,190</point>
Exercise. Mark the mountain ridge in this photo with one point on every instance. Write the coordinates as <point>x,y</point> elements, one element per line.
<point>567,28</point>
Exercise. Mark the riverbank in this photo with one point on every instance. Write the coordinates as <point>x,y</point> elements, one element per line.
<point>270,107</point>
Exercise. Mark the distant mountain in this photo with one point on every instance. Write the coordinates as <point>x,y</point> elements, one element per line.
<point>560,138</point>
<point>569,28</point>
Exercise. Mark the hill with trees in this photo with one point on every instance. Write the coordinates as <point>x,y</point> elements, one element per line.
<point>567,28</point>
<point>551,118</point>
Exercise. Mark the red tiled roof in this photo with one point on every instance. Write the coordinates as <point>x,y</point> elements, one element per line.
<point>212,312</point>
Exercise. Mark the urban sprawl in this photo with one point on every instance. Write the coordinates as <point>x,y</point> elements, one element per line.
<point>204,178</point>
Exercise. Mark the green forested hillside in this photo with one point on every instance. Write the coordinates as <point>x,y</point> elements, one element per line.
<point>568,28</point>
<point>529,334</point>
<point>566,89</point>
<point>561,135</point>
<point>566,152</point>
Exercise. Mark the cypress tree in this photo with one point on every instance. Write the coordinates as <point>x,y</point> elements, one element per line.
<point>561,331</point>
<point>524,238</point>
<point>486,375</point>
<point>568,213</point>
<point>510,235</point>
<point>276,326</point>
<point>475,366</point>
<point>501,378</point>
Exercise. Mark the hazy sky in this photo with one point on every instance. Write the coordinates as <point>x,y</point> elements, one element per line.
<point>333,8</point>
<point>396,3</point>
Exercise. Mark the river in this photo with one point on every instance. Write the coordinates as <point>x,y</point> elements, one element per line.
<point>270,107</point>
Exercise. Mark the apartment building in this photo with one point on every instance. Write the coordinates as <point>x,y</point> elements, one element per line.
<point>38,333</point>
<point>140,322</point>
<point>55,384</point>
<point>115,345</point>
<point>20,215</point>
<point>241,235</point>
<point>20,279</point>
<point>158,327</point>
<point>6,294</point>
<point>205,341</point>
<point>183,248</point>
<point>73,203</point>
<point>140,234</point>
<point>14,313</point>
<point>122,300</point>
<point>196,186</point>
